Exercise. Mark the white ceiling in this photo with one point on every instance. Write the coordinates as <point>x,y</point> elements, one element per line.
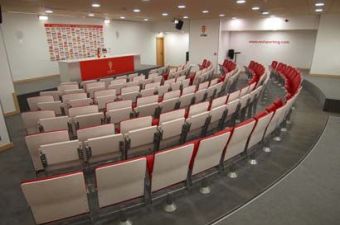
<point>153,9</point>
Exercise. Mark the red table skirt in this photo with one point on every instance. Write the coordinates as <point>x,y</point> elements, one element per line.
<point>104,67</point>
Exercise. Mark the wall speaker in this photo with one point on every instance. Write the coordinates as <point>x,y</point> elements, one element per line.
<point>231,53</point>
<point>179,25</point>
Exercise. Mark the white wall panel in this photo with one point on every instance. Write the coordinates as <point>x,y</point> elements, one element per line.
<point>204,47</point>
<point>297,49</point>
<point>6,84</point>
<point>175,47</point>
<point>326,59</point>
<point>270,23</point>
<point>3,130</point>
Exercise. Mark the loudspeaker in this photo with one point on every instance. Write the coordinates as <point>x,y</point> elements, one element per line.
<point>231,53</point>
<point>187,56</point>
<point>179,25</point>
<point>0,15</point>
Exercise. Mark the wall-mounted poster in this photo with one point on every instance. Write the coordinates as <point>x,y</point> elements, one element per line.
<point>71,41</point>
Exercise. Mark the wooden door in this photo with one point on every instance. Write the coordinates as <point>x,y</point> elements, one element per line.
<point>160,51</point>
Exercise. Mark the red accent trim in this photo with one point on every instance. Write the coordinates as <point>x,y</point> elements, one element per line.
<point>150,162</point>
<point>155,122</point>
<point>246,122</point>
<point>49,177</point>
<point>194,152</point>
<point>260,115</point>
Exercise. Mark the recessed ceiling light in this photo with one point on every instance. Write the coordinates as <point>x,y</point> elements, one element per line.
<point>48,11</point>
<point>146,19</point>
<point>181,6</point>
<point>319,4</point>
<point>241,1</point>
<point>221,15</point>
<point>122,17</point>
<point>318,10</point>
<point>185,17</point>
<point>43,18</point>
<point>255,8</point>
<point>136,10</point>
<point>91,14</point>
<point>265,13</point>
<point>107,21</point>
<point>205,11</point>
<point>165,14</point>
<point>95,5</point>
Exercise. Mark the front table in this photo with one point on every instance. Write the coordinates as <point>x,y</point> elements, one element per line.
<point>96,68</point>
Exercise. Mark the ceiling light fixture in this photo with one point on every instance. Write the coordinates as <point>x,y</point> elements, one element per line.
<point>48,11</point>
<point>265,13</point>
<point>165,14</point>
<point>205,11</point>
<point>136,10</point>
<point>122,17</point>
<point>43,18</point>
<point>95,5</point>
<point>185,17</point>
<point>318,10</point>
<point>255,8</point>
<point>241,1</point>
<point>319,4</point>
<point>221,15</point>
<point>107,21</point>
<point>91,14</point>
<point>181,6</point>
<point>146,19</point>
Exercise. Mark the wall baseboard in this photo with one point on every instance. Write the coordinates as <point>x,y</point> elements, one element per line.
<point>6,147</point>
<point>35,79</point>
<point>16,104</point>
<point>8,114</point>
<point>325,75</point>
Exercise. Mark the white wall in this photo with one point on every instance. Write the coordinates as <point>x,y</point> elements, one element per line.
<point>204,47</point>
<point>175,47</point>
<point>224,45</point>
<point>176,43</point>
<point>326,59</point>
<point>298,51</point>
<point>3,131</point>
<point>6,84</point>
<point>168,26</point>
<point>131,37</point>
<point>270,23</point>
<point>26,42</point>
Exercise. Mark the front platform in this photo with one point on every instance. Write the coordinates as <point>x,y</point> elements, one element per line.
<point>97,68</point>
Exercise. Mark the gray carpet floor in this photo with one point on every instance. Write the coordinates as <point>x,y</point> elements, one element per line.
<point>309,195</point>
